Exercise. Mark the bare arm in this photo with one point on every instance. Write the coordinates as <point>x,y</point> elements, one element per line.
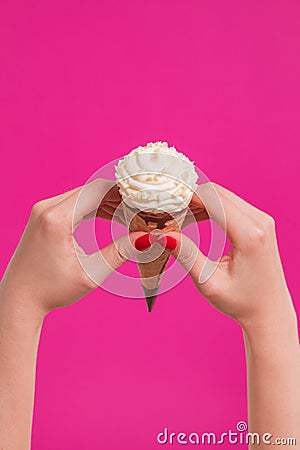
<point>19,336</point>
<point>273,365</point>
<point>45,273</point>
<point>248,284</point>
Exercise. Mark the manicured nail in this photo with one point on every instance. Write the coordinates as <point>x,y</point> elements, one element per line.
<point>171,243</point>
<point>143,242</point>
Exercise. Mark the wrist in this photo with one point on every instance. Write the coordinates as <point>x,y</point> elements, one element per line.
<point>19,312</point>
<point>275,313</point>
<point>275,333</point>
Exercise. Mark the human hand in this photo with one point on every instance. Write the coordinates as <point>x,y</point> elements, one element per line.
<point>248,283</point>
<point>45,271</point>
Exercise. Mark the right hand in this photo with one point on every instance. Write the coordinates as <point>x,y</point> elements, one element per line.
<point>248,283</point>
<point>46,270</point>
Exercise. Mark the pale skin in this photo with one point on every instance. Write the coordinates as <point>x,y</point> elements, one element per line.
<point>248,285</point>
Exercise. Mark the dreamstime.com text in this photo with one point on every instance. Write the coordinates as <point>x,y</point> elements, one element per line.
<point>240,435</point>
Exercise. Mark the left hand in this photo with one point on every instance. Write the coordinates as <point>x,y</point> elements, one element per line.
<point>248,283</point>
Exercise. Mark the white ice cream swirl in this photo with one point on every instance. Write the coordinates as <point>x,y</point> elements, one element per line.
<point>156,178</point>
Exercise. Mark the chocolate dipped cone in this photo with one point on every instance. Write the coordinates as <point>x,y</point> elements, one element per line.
<point>151,272</point>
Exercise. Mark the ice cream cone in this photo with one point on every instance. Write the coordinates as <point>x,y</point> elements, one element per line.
<point>156,183</point>
<point>148,221</point>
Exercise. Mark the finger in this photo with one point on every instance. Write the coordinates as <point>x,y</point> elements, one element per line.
<point>107,209</point>
<point>227,212</point>
<point>58,198</point>
<point>111,197</point>
<point>49,202</point>
<point>195,216</point>
<point>90,198</point>
<point>196,204</point>
<point>199,267</point>
<point>250,210</point>
<point>84,202</point>
<point>110,214</point>
<point>99,265</point>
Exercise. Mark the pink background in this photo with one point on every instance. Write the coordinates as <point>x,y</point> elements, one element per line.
<point>81,84</point>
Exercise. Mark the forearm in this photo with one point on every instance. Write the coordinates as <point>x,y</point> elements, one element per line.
<point>273,366</point>
<point>19,336</point>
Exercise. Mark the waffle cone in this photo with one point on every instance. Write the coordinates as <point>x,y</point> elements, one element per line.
<point>151,272</point>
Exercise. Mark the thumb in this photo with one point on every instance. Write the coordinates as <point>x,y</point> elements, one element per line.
<point>99,265</point>
<point>187,253</point>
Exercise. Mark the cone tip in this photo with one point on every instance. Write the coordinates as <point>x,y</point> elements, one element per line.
<point>150,302</point>
<point>150,297</point>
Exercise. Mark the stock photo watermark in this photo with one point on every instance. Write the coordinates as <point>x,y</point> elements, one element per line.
<point>240,435</point>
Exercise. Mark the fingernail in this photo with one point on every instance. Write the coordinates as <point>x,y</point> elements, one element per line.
<point>171,243</point>
<point>143,242</point>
